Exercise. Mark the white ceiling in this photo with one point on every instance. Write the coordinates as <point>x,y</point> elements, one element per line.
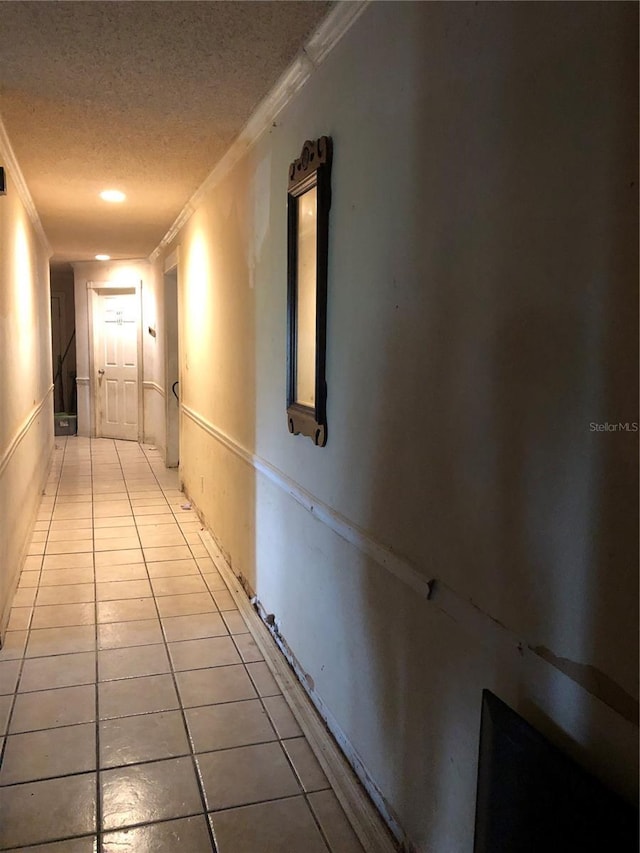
<point>142,96</point>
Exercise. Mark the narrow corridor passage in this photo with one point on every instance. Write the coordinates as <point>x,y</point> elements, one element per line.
<point>136,712</point>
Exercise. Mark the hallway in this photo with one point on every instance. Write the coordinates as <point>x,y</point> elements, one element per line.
<point>465,297</point>
<point>132,693</point>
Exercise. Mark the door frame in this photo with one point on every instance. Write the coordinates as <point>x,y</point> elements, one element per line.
<point>62,331</point>
<point>171,267</point>
<point>94,290</point>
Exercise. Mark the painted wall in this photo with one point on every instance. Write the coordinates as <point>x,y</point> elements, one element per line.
<point>153,346</point>
<point>482,323</point>
<point>127,273</point>
<point>26,400</point>
<point>171,343</point>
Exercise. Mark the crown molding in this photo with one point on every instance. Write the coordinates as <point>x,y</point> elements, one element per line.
<point>329,32</point>
<point>315,50</point>
<point>15,173</point>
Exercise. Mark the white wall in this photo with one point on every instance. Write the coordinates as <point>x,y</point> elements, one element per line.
<point>171,343</point>
<point>482,310</point>
<point>127,273</point>
<point>26,384</point>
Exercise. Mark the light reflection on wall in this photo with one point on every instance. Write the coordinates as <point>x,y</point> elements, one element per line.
<point>23,282</point>
<point>196,301</point>
<point>126,276</point>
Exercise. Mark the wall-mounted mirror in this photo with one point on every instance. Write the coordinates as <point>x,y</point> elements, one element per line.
<point>309,200</point>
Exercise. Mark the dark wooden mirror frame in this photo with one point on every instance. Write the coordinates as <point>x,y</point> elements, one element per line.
<point>311,169</point>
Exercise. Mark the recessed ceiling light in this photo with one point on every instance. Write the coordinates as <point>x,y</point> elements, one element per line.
<point>112,195</point>
<point>103,257</point>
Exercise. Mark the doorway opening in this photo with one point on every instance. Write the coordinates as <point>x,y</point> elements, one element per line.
<point>172,365</point>
<point>63,349</point>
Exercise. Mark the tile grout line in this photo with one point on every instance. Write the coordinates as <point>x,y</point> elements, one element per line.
<point>314,729</point>
<point>23,657</point>
<point>280,740</point>
<point>98,812</point>
<point>148,761</point>
<point>201,574</point>
<point>288,759</point>
<point>101,829</point>
<point>181,709</point>
<point>62,840</point>
<point>29,629</point>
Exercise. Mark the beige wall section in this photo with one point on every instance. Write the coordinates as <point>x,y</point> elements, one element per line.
<point>153,390</point>
<point>171,344</point>
<point>26,400</point>
<point>482,315</point>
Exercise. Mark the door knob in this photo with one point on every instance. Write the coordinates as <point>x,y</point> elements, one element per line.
<point>101,372</point>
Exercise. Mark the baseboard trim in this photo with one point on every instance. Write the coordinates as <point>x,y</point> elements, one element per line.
<point>347,781</point>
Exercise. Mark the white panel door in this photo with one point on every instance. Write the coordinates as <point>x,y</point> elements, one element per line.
<point>117,366</point>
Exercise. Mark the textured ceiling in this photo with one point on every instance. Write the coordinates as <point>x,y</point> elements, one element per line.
<point>142,96</point>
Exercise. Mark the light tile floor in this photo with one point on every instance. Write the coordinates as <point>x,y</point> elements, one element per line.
<point>136,713</point>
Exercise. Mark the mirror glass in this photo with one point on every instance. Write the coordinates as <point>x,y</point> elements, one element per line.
<point>306,301</point>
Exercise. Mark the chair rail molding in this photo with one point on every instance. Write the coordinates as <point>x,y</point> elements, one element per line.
<point>481,625</point>
<point>23,429</point>
<point>150,385</point>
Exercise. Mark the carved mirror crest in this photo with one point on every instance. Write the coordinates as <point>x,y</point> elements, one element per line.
<point>308,203</point>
